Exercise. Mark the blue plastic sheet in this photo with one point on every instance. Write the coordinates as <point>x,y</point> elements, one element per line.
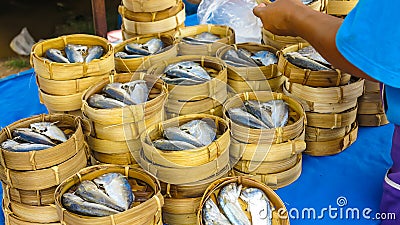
<point>331,190</point>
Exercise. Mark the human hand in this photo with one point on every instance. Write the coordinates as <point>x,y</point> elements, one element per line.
<point>279,17</point>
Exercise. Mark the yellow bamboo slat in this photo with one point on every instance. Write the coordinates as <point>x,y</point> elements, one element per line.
<point>34,198</point>
<point>331,120</point>
<point>127,34</point>
<point>265,167</point>
<point>273,84</point>
<point>149,16</point>
<point>279,42</point>
<point>148,6</point>
<point>340,7</point>
<point>61,103</point>
<point>325,134</point>
<point>374,120</point>
<point>370,108</point>
<point>181,211</point>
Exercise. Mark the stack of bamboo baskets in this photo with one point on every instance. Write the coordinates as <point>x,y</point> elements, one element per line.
<point>340,8</point>
<point>205,98</point>
<point>186,174</point>
<point>143,213</point>
<point>145,62</point>
<point>370,106</point>
<point>29,179</point>
<point>226,34</point>
<point>272,156</point>
<point>150,17</point>
<point>61,85</point>
<point>330,102</point>
<point>115,132</point>
<point>248,79</point>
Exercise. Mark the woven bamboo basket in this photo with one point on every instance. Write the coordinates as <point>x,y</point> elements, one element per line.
<point>127,34</point>
<point>126,123</point>
<point>320,107</point>
<point>144,63</point>
<point>198,156</point>
<point>196,92</point>
<point>340,7</point>
<point>216,111</point>
<point>279,212</point>
<point>159,26</point>
<point>295,74</point>
<point>250,73</point>
<point>331,120</point>
<point>67,87</point>
<point>181,211</point>
<point>61,103</point>
<point>317,134</point>
<point>277,180</point>
<point>338,94</point>
<point>266,167</point>
<point>244,134</point>
<point>370,97</point>
<point>149,16</point>
<point>331,147</point>
<point>279,42</point>
<point>372,120</point>
<point>209,106</point>
<point>273,84</point>
<point>34,160</point>
<point>73,113</point>
<point>371,87</point>
<point>69,71</point>
<point>34,198</point>
<point>148,212</point>
<point>148,6</point>
<point>370,108</point>
<point>119,159</point>
<point>227,35</point>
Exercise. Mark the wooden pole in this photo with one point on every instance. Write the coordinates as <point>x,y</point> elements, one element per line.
<point>99,18</point>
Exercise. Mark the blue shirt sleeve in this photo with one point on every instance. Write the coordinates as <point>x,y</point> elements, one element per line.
<point>369,38</point>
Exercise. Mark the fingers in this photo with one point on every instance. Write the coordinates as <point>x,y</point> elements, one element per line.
<point>258,10</point>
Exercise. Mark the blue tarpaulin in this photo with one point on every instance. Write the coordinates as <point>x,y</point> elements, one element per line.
<point>341,189</point>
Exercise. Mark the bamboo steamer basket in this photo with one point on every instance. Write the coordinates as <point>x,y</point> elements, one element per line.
<point>320,107</point>
<point>331,120</point>
<point>144,63</point>
<point>35,160</point>
<point>148,6</point>
<point>77,113</point>
<point>198,156</point>
<point>67,87</point>
<point>295,74</point>
<point>279,42</point>
<point>338,94</point>
<point>127,34</point>
<point>34,198</point>
<point>340,7</point>
<point>371,87</point>
<point>69,71</point>
<point>277,180</point>
<point>226,33</point>
<point>249,73</point>
<point>44,178</point>
<point>125,123</point>
<point>148,212</point>
<point>370,97</point>
<point>370,108</point>
<point>331,147</point>
<point>200,91</point>
<point>71,102</point>
<point>325,134</point>
<point>279,212</point>
<point>159,26</point>
<point>149,16</point>
<point>273,84</point>
<point>216,111</point>
<point>180,211</point>
<point>372,120</point>
<point>265,167</point>
<point>245,134</point>
<point>119,159</point>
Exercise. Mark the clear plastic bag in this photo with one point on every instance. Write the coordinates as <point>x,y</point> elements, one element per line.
<point>237,14</point>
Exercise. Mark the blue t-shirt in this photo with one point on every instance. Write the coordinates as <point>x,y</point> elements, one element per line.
<point>369,38</point>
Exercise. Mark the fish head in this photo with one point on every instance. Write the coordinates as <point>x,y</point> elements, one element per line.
<point>135,48</point>
<point>154,45</point>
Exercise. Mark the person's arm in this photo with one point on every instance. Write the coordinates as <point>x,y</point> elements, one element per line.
<point>293,18</point>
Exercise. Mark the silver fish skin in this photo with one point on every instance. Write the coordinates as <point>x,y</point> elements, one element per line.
<point>280,113</point>
<point>187,69</point>
<point>154,45</point>
<point>181,81</point>
<point>115,90</point>
<point>311,53</point>
<point>171,145</point>
<point>240,116</point>
<point>117,187</point>
<point>14,146</point>
<point>245,54</point>
<point>264,58</point>
<point>258,205</point>
<point>50,130</point>
<point>55,55</point>
<point>212,215</point>
<point>137,90</point>
<point>193,41</point>
<point>202,38</point>
<point>30,136</point>
<point>94,52</point>
<point>89,191</point>
<point>304,62</point>
<point>124,55</point>
<point>73,54</point>
<point>136,49</point>
<point>176,134</point>
<point>201,130</point>
<point>76,204</point>
<point>228,199</point>
<point>233,56</point>
<point>207,36</point>
<point>102,102</point>
<point>256,110</point>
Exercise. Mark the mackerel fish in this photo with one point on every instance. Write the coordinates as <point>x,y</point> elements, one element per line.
<point>258,205</point>
<point>228,199</point>
<point>77,205</point>
<point>212,215</point>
